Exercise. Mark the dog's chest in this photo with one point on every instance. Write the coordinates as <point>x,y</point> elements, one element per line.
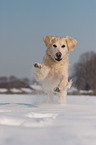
<point>51,81</point>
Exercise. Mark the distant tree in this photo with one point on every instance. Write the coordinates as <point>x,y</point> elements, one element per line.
<point>3,82</point>
<point>12,78</point>
<point>3,79</point>
<point>13,82</point>
<point>84,72</point>
<point>26,80</point>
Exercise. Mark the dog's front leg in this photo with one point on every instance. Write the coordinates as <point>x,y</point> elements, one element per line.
<point>62,85</point>
<point>41,71</point>
<point>62,89</point>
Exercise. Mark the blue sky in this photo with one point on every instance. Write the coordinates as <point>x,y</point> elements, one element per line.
<point>23,23</point>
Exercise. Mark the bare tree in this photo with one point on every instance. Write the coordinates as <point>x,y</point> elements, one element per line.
<point>84,72</point>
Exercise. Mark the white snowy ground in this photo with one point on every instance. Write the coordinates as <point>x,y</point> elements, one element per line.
<point>28,120</point>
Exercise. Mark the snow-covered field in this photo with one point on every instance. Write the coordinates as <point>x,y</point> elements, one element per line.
<point>29,120</point>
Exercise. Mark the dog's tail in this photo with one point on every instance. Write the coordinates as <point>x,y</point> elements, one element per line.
<point>69,84</point>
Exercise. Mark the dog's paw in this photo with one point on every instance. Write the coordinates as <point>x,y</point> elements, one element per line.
<point>57,90</point>
<point>38,65</point>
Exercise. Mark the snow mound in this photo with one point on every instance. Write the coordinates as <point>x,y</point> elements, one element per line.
<point>40,115</point>
<point>36,87</point>
<point>36,121</point>
<point>3,90</point>
<point>14,90</point>
<point>10,121</point>
<point>27,90</point>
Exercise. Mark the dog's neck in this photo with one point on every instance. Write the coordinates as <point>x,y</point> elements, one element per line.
<point>49,61</point>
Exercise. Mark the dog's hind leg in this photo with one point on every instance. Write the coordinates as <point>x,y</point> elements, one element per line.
<point>63,94</point>
<point>62,97</point>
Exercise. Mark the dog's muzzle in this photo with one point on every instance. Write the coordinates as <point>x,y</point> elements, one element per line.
<point>58,56</point>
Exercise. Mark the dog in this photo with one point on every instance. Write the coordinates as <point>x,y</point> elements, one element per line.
<point>52,73</point>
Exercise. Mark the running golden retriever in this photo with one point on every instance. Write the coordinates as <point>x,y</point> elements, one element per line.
<point>52,73</point>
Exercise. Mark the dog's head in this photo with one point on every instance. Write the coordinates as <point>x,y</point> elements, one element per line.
<point>58,47</point>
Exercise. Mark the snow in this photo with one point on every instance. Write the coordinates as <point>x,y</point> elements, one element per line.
<point>36,87</point>
<point>86,92</point>
<point>3,90</point>
<point>14,90</point>
<point>28,119</point>
<point>27,90</point>
<point>40,115</point>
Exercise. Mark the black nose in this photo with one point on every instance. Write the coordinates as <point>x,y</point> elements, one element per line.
<point>58,55</point>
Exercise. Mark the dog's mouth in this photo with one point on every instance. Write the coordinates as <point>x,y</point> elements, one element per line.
<point>58,59</point>
<point>58,56</point>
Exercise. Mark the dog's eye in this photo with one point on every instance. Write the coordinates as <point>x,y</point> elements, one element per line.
<point>54,45</point>
<point>63,46</point>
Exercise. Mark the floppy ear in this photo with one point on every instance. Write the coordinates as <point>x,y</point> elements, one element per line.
<point>71,43</point>
<point>47,40</point>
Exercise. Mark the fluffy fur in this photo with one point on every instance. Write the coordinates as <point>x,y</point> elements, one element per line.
<point>52,73</point>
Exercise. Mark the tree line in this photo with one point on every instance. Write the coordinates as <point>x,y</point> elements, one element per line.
<point>84,72</point>
<point>13,82</point>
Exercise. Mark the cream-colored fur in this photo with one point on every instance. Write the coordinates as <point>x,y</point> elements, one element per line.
<point>52,73</point>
